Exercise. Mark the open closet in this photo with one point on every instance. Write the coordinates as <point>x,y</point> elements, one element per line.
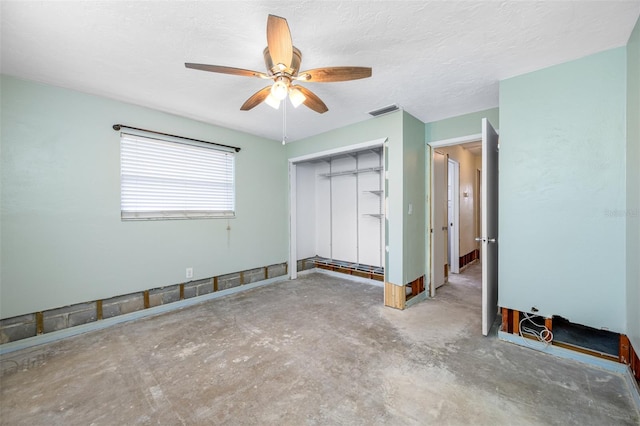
<point>340,213</point>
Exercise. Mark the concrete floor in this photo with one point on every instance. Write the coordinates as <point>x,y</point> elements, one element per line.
<point>316,351</point>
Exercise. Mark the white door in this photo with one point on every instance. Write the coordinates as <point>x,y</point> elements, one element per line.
<point>439,232</point>
<point>489,225</point>
<point>453,216</point>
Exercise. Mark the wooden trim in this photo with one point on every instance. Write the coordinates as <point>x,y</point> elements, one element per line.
<point>39,323</point>
<point>507,318</point>
<point>266,272</point>
<point>464,260</point>
<point>417,286</point>
<point>98,310</point>
<point>343,270</point>
<point>548,322</point>
<point>215,283</point>
<point>586,351</point>
<point>359,272</point>
<point>628,355</point>
<point>394,296</point>
<point>181,291</point>
<point>146,299</point>
<point>362,274</point>
<point>624,352</point>
<point>515,322</point>
<point>577,349</point>
<point>241,277</point>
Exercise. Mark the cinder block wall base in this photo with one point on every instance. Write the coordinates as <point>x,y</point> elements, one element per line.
<point>36,323</point>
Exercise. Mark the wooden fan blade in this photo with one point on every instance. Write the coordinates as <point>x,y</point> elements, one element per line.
<point>279,41</point>
<point>226,70</point>
<point>312,100</point>
<point>256,99</point>
<point>331,74</point>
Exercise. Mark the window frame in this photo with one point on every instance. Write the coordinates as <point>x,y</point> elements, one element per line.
<point>200,185</point>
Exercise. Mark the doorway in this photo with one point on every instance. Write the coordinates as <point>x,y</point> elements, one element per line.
<point>459,199</point>
<point>470,154</point>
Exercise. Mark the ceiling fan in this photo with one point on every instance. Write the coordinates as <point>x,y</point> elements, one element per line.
<point>283,63</point>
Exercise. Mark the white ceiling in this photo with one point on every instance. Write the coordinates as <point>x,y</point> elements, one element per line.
<point>436,59</point>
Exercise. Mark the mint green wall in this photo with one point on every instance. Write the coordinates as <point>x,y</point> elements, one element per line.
<point>62,240</point>
<point>562,186</point>
<point>462,125</point>
<point>414,229</point>
<point>633,187</point>
<point>387,126</point>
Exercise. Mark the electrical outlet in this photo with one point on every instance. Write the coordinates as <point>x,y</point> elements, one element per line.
<point>189,272</point>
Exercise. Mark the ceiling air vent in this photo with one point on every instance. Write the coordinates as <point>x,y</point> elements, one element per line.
<point>384,110</point>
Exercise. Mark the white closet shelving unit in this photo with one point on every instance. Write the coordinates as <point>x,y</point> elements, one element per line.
<point>347,221</point>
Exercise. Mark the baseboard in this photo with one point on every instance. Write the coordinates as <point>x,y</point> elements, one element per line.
<point>468,258</point>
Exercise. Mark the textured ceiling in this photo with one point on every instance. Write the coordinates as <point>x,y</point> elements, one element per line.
<point>436,59</point>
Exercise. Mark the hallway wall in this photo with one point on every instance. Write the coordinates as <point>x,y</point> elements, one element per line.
<point>467,163</point>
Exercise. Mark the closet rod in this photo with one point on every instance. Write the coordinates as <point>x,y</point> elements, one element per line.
<point>117,127</point>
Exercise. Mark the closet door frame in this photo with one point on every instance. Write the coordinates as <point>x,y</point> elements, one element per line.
<point>293,261</point>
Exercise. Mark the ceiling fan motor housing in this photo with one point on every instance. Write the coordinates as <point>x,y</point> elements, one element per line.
<point>274,69</point>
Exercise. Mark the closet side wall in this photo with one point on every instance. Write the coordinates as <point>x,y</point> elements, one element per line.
<point>466,228</point>
<point>306,210</point>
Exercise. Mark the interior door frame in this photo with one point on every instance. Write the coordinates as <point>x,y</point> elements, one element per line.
<point>293,257</point>
<point>432,146</point>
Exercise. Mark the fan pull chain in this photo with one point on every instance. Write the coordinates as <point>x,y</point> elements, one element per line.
<point>284,121</point>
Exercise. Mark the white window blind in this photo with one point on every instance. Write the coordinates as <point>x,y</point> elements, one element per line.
<point>163,179</point>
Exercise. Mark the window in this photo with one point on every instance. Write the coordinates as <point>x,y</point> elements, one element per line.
<point>165,179</point>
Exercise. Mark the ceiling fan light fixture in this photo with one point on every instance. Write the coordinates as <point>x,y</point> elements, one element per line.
<point>296,97</point>
<point>282,60</point>
<point>280,89</point>
<point>272,101</point>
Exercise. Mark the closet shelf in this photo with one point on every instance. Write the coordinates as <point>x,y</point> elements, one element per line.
<point>351,172</point>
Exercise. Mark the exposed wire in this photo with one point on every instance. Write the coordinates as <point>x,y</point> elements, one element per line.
<point>541,332</point>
